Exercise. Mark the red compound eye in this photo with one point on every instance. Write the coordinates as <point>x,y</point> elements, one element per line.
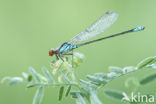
<point>51,53</point>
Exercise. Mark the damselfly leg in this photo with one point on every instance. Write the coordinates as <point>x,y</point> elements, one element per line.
<point>71,54</point>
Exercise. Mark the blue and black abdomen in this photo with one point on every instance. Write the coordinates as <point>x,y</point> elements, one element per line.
<point>67,47</point>
<point>138,29</point>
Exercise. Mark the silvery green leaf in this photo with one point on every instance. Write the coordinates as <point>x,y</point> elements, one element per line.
<point>79,55</point>
<point>42,78</point>
<point>112,75</point>
<point>77,59</point>
<point>93,97</point>
<point>5,78</point>
<point>38,77</point>
<point>153,66</point>
<point>147,62</point>
<point>77,101</point>
<point>48,75</point>
<point>128,69</point>
<point>98,80</point>
<point>27,76</point>
<point>34,74</point>
<point>80,98</point>
<point>61,92</point>
<point>63,76</point>
<point>95,83</point>
<point>15,80</point>
<point>85,92</point>
<point>115,69</point>
<point>148,79</point>
<point>38,95</point>
<point>87,83</point>
<point>103,75</point>
<point>114,94</point>
<point>12,80</point>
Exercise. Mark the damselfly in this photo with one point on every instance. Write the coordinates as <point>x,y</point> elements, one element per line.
<point>96,28</point>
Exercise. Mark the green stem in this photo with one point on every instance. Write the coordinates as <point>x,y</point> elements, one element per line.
<point>53,85</point>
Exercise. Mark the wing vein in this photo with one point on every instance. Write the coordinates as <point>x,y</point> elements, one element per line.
<point>96,28</point>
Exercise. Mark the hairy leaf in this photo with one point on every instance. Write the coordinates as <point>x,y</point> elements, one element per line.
<point>146,62</point>
<point>148,79</point>
<point>80,98</point>
<point>85,92</point>
<point>99,80</point>
<point>88,84</point>
<point>93,96</point>
<point>39,95</point>
<point>48,75</point>
<point>34,74</point>
<point>114,94</point>
<point>115,69</point>
<point>61,92</point>
<point>12,80</point>
<point>68,90</point>
<point>15,80</point>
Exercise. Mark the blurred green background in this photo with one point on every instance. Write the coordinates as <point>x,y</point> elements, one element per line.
<point>29,28</point>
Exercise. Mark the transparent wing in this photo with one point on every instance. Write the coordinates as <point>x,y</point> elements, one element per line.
<point>96,28</point>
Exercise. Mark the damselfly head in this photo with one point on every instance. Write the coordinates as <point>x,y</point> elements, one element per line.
<point>51,52</point>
